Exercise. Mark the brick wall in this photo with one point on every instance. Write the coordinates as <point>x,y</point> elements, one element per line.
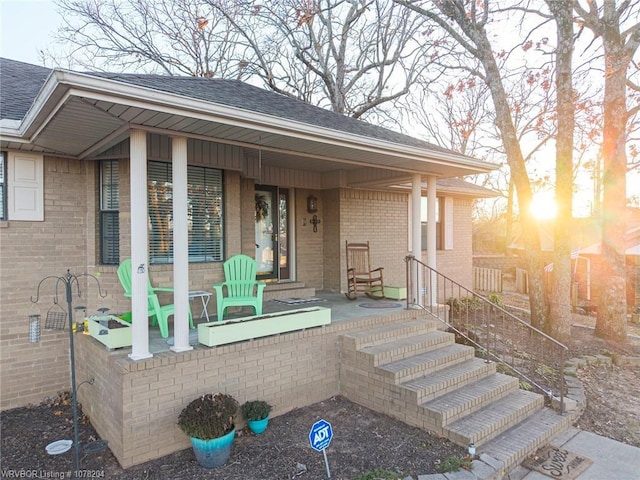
<point>30,251</point>
<point>382,219</point>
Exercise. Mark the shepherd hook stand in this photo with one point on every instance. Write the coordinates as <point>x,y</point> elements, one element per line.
<point>68,280</point>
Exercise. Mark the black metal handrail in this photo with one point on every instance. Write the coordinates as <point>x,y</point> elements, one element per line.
<point>484,323</point>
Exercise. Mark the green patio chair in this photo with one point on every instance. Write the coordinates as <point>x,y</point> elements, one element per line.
<point>240,287</point>
<point>159,314</point>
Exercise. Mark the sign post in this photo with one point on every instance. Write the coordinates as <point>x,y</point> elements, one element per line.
<point>320,437</point>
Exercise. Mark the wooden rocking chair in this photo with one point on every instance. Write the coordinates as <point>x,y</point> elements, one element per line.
<point>360,277</point>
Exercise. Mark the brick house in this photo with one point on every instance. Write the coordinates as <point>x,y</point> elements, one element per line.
<point>89,163</point>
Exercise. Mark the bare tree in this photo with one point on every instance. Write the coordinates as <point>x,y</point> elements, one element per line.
<point>183,37</point>
<point>616,25</point>
<point>351,56</point>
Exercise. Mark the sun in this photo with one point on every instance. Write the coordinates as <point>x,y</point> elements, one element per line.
<point>543,206</point>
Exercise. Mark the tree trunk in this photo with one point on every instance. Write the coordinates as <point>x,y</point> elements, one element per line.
<point>560,295</point>
<point>612,300</point>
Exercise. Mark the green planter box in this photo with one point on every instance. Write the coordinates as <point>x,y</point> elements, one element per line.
<point>246,328</point>
<point>395,293</point>
<point>111,337</point>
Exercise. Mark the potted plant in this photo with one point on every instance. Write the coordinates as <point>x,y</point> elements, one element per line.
<point>257,414</point>
<point>210,422</point>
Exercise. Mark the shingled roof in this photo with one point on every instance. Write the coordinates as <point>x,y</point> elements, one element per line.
<point>21,83</point>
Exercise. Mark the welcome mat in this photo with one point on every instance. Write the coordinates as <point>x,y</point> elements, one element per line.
<point>380,304</point>
<point>298,300</point>
<point>557,463</point>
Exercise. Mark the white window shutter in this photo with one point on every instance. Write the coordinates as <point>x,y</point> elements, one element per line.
<point>448,223</point>
<point>25,184</point>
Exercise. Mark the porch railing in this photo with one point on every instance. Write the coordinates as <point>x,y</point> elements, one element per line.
<point>485,324</point>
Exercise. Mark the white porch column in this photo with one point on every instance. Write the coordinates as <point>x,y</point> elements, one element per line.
<point>139,246</point>
<point>431,238</point>
<point>180,246</point>
<point>416,232</point>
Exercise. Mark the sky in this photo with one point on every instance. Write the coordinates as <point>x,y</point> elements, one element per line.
<point>25,27</point>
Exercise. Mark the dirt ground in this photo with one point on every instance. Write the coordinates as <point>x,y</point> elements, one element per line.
<point>363,440</point>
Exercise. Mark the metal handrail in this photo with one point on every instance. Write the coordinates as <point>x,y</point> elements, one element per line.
<point>497,334</point>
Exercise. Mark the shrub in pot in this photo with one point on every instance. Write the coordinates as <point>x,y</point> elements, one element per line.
<point>257,414</point>
<point>210,422</point>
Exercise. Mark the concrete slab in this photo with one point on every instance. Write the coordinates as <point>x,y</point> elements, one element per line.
<point>612,460</point>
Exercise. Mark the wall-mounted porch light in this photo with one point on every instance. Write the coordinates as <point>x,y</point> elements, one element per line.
<point>312,204</point>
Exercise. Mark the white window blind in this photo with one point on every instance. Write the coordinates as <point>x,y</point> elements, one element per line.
<point>204,215</point>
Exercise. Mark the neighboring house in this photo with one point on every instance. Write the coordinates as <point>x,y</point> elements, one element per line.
<point>88,169</point>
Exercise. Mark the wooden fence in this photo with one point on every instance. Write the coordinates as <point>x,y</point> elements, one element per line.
<point>487,279</point>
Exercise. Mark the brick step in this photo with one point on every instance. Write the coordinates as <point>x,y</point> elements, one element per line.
<point>401,348</point>
<point>417,366</point>
<point>386,333</point>
<point>495,418</point>
<point>512,446</point>
<point>452,406</point>
<point>435,384</point>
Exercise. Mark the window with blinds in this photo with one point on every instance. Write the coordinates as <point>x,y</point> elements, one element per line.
<point>204,214</point>
<point>109,212</point>
<point>439,218</point>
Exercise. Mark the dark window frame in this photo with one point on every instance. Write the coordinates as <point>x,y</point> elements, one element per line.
<point>109,213</point>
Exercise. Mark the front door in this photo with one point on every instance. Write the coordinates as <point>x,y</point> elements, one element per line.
<point>271,232</point>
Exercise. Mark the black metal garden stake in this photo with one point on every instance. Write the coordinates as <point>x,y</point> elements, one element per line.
<point>68,280</point>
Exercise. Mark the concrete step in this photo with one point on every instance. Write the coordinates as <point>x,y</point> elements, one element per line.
<point>386,333</point>
<point>401,348</point>
<point>511,447</point>
<point>448,379</point>
<point>495,418</point>
<point>463,401</point>
<point>417,366</point>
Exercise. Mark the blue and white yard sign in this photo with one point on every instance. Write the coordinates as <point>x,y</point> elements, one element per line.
<point>320,435</point>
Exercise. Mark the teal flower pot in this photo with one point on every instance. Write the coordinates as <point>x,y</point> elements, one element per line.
<point>258,426</point>
<point>214,452</point>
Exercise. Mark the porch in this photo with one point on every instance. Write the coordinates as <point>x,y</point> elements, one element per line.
<point>132,402</point>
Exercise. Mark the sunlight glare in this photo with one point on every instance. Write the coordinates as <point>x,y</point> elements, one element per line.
<point>543,206</point>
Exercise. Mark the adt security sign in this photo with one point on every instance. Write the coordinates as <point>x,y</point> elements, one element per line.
<point>320,435</point>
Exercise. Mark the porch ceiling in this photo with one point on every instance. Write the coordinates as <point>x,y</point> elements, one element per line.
<point>87,118</point>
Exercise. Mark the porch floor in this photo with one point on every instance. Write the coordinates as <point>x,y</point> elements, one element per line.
<point>342,309</point>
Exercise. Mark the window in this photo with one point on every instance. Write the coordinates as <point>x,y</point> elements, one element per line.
<point>204,215</point>
<point>109,212</point>
<point>205,219</point>
<point>444,223</point>
<point>3,187</point>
